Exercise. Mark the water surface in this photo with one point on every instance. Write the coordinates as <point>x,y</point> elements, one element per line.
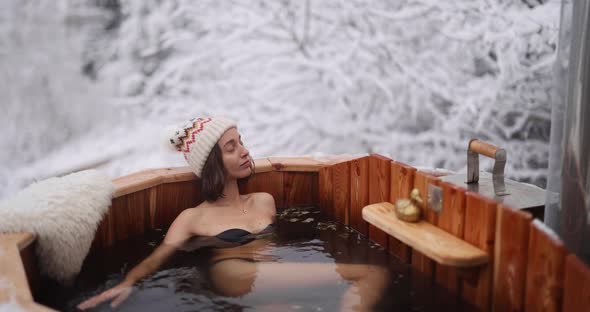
<point>300,235</point>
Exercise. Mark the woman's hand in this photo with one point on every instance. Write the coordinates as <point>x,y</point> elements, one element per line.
<point>119,292</point>
<point>124,289</point>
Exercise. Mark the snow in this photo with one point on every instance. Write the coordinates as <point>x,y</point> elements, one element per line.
<point>547,231</point>
<point>413,80</point>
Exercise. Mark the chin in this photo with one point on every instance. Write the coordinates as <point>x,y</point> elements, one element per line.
<point>243,173</point>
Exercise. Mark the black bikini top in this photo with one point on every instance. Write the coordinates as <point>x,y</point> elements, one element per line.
<point>239,235</point>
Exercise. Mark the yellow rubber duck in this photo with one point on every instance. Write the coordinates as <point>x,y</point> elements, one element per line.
<point>409,210</point>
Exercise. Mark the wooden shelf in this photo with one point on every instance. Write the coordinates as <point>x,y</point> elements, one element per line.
<point>424,237</point>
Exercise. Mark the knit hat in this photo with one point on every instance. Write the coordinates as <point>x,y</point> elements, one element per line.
<point>197,137</point>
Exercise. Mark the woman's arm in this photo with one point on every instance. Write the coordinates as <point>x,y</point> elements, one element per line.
<point>124,289</point>
<point>150,264</point>
<point>176,235</point>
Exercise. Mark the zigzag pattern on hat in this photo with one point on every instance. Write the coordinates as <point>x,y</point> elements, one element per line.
<point>199,136</point>
<point>198,129</point>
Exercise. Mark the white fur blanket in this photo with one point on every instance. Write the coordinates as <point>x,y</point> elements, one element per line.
<point>64,213</point>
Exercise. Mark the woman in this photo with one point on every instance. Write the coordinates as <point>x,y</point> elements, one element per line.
<point>214,150</point>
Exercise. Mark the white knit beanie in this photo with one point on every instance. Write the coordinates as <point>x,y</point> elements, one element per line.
<point>196,138</point>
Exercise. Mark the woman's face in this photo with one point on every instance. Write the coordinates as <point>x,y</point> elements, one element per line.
<point>236,158</point>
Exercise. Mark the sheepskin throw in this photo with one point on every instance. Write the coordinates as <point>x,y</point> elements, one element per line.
<point>64,213</point>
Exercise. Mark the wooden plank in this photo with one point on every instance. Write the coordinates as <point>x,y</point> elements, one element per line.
<point>157,207</point>
<point>480,231</point>
<point>12,270</point>
<point>153,206</point>
<point>510,259</point>
<point>576,285</point>
<point>298,188</point>
<point>379,237</point>
<point>545,269</point>
<point>104,235</point>
<point>136,182</point>
<point>379,178</point>
<point>269,182</point>
<point>262,165</point>
<point>29,260</point>
<point>428,239</point>
<point>130,215</point>
<point>293,164</point>
<point>421,182</point>
<point>166,206</point>
<point>402,182</point>
<point>379,188</point>
<point>176,174</point>
<point>326,191</point>
<point>341,191</point>
<point>452,216</point>
<point>423,264</point>
<point>419,261</point>
<point>359,193</point>
<point>315,190</point>
<point>451,219</point>
<point>172,199</point>
<point>18,270</point>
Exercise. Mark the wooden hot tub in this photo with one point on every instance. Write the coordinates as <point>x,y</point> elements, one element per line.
<point>492,256</point>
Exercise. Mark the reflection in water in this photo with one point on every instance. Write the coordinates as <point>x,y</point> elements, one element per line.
<point>305,263</point>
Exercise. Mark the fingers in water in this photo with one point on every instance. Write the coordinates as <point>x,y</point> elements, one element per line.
<point>98,299</point>
<point>122,297</point>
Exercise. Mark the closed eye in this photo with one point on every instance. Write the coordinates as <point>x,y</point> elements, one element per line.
<point>229,146</point>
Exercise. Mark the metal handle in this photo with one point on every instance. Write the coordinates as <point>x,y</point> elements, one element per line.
<point>483,148</point>
<point>477,147</point>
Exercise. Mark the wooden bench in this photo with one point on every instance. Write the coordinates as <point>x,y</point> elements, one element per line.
<point>424,237</point>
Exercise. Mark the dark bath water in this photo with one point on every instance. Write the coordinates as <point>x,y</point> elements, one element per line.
<point>301,235</point>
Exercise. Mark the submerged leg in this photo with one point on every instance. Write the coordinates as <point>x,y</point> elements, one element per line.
<point>369,282</point>
<point>240,277</point>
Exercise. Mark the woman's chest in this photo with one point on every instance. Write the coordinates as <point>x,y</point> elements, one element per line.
<point>251,222</point>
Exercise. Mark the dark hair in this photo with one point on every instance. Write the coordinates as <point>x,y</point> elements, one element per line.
<point>214,173</point>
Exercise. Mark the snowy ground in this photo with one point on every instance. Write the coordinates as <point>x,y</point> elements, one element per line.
<point>94,84</point>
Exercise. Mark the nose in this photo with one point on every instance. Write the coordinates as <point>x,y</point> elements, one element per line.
<point>245,153</point>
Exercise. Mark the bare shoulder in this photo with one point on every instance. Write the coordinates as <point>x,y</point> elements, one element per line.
<point>265,201</point>
<point>199,214</point>
<point>264,197</point>
<point>194,215</point>
<point>186,224</point>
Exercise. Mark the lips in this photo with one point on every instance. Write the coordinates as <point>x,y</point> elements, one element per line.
<point>246,163</point>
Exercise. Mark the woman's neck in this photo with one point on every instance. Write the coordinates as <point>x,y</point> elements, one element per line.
<point>231,193</point>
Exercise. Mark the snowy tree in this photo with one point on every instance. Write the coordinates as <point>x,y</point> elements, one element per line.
<point>413,79</point>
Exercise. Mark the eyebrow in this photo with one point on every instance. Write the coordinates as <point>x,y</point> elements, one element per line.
<point>233,141</point>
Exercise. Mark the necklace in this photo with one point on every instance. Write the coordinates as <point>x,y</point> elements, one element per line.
<point>244,209</point>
